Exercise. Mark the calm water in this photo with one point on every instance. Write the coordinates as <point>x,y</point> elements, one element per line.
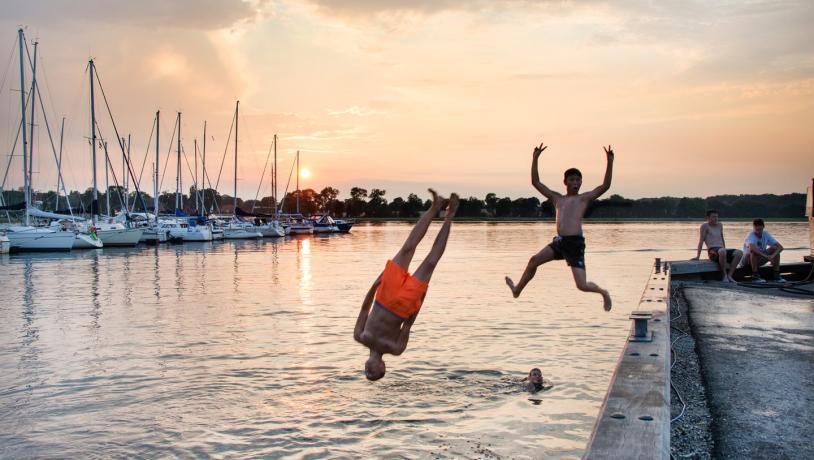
<point>245,350</point>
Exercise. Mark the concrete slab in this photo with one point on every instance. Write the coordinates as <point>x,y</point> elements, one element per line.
<point>757,355</point>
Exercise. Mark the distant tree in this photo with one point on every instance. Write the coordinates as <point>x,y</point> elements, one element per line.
<point>503,207</point>
<point>491,203</point>
<point>376,205</point>
<point>413,206</point>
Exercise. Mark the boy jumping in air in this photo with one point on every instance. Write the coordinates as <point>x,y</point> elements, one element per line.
<point>569,244</point>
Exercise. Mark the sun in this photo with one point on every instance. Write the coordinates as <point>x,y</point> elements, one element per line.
<point>304,172</point>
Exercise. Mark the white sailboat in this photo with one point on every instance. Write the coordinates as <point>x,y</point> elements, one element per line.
<point>111,232</point>
<point>25,237</point>
<point>235,228</point>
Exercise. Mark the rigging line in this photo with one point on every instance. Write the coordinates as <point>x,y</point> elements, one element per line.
<point>265,165</point>
<point>8,65</point>
<point>53,147</point>
<point>285,193</point>
<point>166,163</point>
<point>112,170</point>
<point>189,168</point>
<point>226,149</point>
<point>139,196</point>
<point>16,139</point>
<point>147,150</point>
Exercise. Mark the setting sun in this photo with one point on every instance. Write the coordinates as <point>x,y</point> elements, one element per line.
<point>304,172</point>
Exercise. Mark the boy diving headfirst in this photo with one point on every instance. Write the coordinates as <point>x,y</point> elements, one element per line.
<point>385,328</point>
<point>569,244</point>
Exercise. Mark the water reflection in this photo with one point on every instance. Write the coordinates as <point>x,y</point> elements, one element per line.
<point>244,349</point>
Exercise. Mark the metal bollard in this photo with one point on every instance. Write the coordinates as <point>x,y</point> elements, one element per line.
<point>640,332</point>
<point>658,264</point>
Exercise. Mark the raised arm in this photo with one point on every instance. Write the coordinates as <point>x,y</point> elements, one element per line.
<point>365,311</point>
<point>701,239</point>
<point>535,175</point>
<point>597,192</point>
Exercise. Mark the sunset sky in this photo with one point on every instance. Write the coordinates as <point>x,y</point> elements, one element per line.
<point>697,98</point>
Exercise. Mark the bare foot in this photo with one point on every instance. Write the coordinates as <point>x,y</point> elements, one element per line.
<point>437,201</point>
<point>732,280</point>
<point>725,279</point>
<point>607,300</point>
<point>510,283</point>
<point>452,206</point>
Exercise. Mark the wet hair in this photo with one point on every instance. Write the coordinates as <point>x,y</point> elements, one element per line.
<point>758,222</point>
<point>571,172</point>
<point>711,211</point>
<point>372,373</point>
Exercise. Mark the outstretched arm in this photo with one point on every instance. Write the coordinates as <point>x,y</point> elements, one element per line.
<point>597,192</point>
<point>535,175</point>
<point>363,314</point>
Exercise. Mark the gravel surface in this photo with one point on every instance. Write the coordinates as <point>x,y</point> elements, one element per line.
<point>691,433</point>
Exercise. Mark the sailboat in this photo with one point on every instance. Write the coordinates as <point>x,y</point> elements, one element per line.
<point>110,231</point>
<point>26,237</point>
<point>237,228</point>
<point>185,228</point>
<point>152,233</point>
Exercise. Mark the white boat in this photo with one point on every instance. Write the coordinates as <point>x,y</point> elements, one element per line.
<point>271,229</point>
<point>217,234</point>
<point>5,244</point>
<point>154,235</point>
<point>27,238</point>
<point>300,228</point>
<point>238,232</point>
<point>179,229</point>
<point>85,241</point>
<point>116,234</point>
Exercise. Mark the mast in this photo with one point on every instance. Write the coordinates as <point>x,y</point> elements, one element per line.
<point>95,203</point>
<point>298,181</point>
<point>126,174</point>
<point>59,169</point>
<point>31,134</point>
<point>26,186</point>
<point>203,173</point>
<point>107,179</point>
<point>155,177</point>
<point>274,177</point>
<point>237,109</point>
<point>195,151</point>
<point>178,203</point>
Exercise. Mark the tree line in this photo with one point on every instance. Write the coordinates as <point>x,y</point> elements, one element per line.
<point>375,204</point>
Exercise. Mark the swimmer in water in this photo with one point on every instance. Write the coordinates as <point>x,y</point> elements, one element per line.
<point>392,303</point>
<point>535,381</point>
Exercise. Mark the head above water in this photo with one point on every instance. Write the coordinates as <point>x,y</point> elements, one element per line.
<point>712,216</point>
<point>572,178</point>
<point>374,367</point>
<point>536,376</point>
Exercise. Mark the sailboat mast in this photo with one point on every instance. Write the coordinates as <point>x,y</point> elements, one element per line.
<point>298,181</point>
<point>107,179</point>
<point>237,111</point>
<point>195,151</point>
<point>31,134</point>
<point>26,186</point>
<point>203,172</point>
<point>155,178</point>
<point>178,203</point>
<point>274,177</point>
<point>94,207</point>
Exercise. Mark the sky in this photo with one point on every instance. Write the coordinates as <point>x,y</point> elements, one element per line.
<point>697,98</point>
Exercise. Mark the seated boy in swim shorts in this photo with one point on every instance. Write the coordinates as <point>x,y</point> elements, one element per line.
<point>569,244</point>
<point>712,233</point>
<point>396,295</point>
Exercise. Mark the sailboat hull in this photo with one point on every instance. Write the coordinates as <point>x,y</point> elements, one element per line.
<point>84,241</point>
<point>39,239</point>
<point>120,237</point>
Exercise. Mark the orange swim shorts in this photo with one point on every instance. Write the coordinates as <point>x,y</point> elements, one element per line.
<point>399,291</point>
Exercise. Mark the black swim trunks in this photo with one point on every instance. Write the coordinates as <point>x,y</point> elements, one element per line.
<point>571,248</point>
<point>712,253</point>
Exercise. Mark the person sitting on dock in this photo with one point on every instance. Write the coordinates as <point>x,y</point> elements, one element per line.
<point>712,233</point>
<point>569,244</point>
<point>396,296</point>
<point>761,247</point>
